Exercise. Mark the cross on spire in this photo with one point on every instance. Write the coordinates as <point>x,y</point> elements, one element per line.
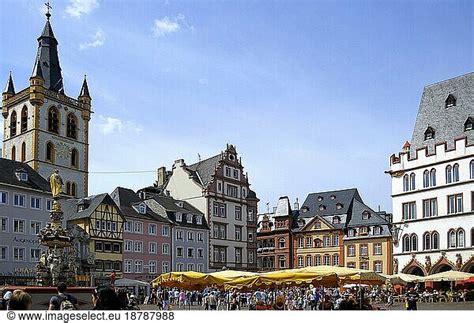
<point>48,6</point>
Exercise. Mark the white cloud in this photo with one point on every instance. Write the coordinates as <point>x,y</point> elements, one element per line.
<point>110,126</point>
<point>166,25</point>
<point>77,8</point>
<point>97,40</point>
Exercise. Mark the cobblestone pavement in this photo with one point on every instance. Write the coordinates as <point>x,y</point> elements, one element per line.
<point>397,306</point>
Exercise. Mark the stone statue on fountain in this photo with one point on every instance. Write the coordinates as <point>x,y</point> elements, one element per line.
<point>54,265</point>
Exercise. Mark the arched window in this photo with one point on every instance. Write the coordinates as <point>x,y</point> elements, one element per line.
<point>456,173</point>
<point>73,189</point>
<point>50,152</point>
<point>449,174</point>
<point>435,240</point>
<point>282,243</point>
<point>24,119</point>
<point>460,238</point>
<point>471,167</point>
<point>74,158</point>
<point>53,120</point>
<point>433,177</point>
<point>13,124</point>
<point>426,178</point>
<point>469,124</point>
<point>452,239</point>
<point>450,101</point>
<point>13,153</point>
<point>426,241</point>
<point>71,126</point>
<point>414,242</point>
<point>429,133</point>
<point>23,152</point>
<point>406,183</point>
<point>412,181</point>
<point>68,188</point>
<point>406,243</point>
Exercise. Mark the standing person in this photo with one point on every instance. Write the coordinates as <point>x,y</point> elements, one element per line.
<point>20,301</point>
<point>112,277</point>
<point>6,299</point>
<point>166,299</point>
<point>412,298</point>
<point>212,301</point>
<point>63,301</point>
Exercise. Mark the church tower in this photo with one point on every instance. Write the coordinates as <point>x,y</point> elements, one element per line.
<point>43,126</point>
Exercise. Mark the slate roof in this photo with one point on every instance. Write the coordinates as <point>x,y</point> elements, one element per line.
<point>356,220</point>
<point>171,206</point>
<point>447,122</point>
<point>84,88</point>
<point>70,206</point>
<point>343,197</point>
<point>9,87</point>
<point>47,60</point>
<point>126,199</point>
<point>205,169</point>
<point>8,169</point>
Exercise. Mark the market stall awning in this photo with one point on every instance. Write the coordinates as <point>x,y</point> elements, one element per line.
<point>350,275</point>
<point>447,276</point>
<point>402,279</point>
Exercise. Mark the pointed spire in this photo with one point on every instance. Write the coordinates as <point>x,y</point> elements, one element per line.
<point>85,88</point>
<point>47,59</point>
<point>10,88</point>
<point>37,70</point>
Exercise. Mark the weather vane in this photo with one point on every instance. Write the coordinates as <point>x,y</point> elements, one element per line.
<point>48,6</point>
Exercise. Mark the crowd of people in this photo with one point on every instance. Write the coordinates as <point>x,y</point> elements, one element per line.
<point>288,298</point>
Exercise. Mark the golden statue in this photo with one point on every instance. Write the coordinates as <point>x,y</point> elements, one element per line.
<point>56,183</point>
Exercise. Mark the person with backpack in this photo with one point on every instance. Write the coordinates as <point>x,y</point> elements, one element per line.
<point>63,301</point>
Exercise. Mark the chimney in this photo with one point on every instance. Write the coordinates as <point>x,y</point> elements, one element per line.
<point>161,176</point>
<point>296,206</point>
<point>274,209</point>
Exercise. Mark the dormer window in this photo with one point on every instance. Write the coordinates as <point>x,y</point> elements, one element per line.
<point>351,232</point>
<point>365,215</point>
<point>339,206</point>
<point>189,218</point>
<point>142,209</point>
<point>178,217</point>
<point>22,175</point>
<point>469,124</point>
<point>317,225</point>
<point>333,197</point>
<point>322,207</point>
<point>320,198</point>
<point>304,209</point>
<point>363,230</point>
<point>180,204</point>
<point>450,101</point>
<point>429,133</point>
<point>336,220</point>
<point>198,219</point>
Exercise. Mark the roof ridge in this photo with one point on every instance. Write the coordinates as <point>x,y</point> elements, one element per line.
<point>449,79</point>
<point>329,191</point>
<point>204,160</point>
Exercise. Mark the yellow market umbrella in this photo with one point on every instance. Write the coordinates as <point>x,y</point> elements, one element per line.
<point>402,279</point>
<point>283,278</point>
<point>221,277</point>
<point>447,276</point>
<point>350,275</point>
<point>185,279</point>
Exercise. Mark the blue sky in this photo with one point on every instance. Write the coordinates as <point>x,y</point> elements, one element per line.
<point>316,95</point>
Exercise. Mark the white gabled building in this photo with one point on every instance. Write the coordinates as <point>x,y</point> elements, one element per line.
<point>433,183</point>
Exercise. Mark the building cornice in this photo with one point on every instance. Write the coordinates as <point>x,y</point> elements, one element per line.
<point>441,217</point>
<point>434,188</point>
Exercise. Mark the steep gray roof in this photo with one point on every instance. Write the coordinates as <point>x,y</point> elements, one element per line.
<point>126,199</point>
<point>342,197</point>
<point>9,87</point>
<point>356,220</point>
<point>8,169</point>
<point>171,206</point>
<point>205,169</point>
<point>447,122</point>
<point>84,88</point>
<point>71,211</point>
<point>47,60</point>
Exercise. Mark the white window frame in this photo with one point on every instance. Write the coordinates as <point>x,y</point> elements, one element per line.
<point>7,224</point>
<point>19,196</point>
<point>6,253</point>
<point>165,249</point>
<point>152,232</point>
<point>3,201</point>
<point>32,232</point>
<point>165,267</point>
<point>182,252</point>
<point>200,237</point>
<point>138,262</point>
<point>200,251</point>
<point>128,243</point>
<point>32,259</point>
<point>138,227</point>
<point>24,254</point>
<point>179,235</point>
<point>193,254</point>
<point>179,217</point>
<point>38,202</point>
<point>127,266</point>
<point>150,247</point>
<point>165,231</point>
<point>189,218</point>
<point>152,264</point>
<point>190,236</point>
<point>24,226</point>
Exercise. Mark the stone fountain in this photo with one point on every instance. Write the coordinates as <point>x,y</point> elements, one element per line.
<point>57,263</point>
